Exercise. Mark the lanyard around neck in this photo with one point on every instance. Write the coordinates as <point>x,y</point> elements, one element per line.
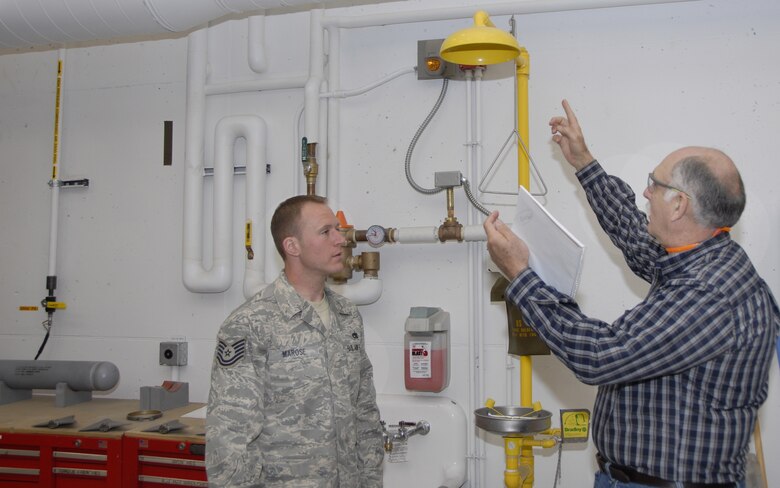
<point>688,247</point>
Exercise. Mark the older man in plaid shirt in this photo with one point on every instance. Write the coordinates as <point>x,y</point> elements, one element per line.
<point>681,375</point>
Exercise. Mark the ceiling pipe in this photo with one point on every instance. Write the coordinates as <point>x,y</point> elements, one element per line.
<point>495,9</point>
<point>53,23</point>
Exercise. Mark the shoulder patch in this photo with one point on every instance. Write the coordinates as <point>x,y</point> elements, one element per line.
<point>230,354</point>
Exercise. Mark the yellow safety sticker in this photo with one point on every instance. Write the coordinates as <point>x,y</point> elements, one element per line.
<point>250,253</point>
<point>28,308</point>
<point>248,234</point>
<point>60,305</point>
<point>574,425</point>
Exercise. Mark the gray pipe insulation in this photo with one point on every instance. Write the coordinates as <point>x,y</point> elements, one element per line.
<point>79,375</point>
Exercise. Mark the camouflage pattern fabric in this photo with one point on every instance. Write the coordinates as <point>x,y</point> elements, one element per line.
<point>292,402</point>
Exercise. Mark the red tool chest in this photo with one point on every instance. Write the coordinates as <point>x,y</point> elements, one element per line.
<point>125,456</point>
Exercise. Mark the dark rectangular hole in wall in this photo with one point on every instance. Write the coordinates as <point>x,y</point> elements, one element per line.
<point>168,143</point>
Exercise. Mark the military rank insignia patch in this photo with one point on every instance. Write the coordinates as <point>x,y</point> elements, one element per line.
<point>230,354</point>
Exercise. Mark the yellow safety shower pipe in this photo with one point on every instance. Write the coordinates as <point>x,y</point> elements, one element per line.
<point>522,71</point>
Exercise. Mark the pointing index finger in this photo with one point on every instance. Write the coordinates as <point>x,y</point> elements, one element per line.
<point>570,113</point>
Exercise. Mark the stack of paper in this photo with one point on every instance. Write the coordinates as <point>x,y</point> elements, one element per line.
<point>556,255</point>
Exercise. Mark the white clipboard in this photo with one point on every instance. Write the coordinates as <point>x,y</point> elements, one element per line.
<point>555,254</point>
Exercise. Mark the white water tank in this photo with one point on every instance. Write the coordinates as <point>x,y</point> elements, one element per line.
<point>437,459</point>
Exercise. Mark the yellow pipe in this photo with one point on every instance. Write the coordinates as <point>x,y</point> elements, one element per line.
<point>522,72</point>
<point>526,461</point>
<point>512,450</point>
<point>545,443</point>
<point>526,362</point>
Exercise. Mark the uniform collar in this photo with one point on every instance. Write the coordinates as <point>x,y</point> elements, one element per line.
<point>291,303</point>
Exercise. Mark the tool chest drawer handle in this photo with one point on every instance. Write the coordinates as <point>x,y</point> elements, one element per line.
<point>19,452</point>
<point>173,461</point>
<point>96,473</point>
<point>80,455</point>
<point>172,481</point>
<point>25,471</point>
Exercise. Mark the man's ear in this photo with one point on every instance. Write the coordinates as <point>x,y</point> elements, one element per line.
<point>291,246</point>
<point>681,204</point>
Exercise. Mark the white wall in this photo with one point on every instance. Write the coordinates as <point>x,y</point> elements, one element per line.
<point>643,80</point>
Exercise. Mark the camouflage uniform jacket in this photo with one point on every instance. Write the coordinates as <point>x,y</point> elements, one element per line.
<point>292,402</point>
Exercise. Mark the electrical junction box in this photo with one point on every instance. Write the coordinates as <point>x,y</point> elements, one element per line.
<point>173,353</point>
<point>447,179</point>
<point>430,65</point>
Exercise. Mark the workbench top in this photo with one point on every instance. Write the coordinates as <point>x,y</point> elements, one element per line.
<point>21,417</point>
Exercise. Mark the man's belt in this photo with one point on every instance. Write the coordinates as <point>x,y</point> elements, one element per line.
<point>624,474</point>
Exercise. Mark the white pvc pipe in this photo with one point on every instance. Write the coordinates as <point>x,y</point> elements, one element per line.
<point>475,254</point>
<point>369,87</point>
<point>220,276</point>
<point>407,235</point>
<point>55,181</point>
<point>194,276</point>
<point>334,117</point>
<point>316,68</point>
<point>254,130</point>
<point>322,147</point>
<point>478,146</point>
<point>363,292</point>
<point>258,62</point>
<point>474,352</point>
<point>425,235</point>
<point>267,83</point>
<point>54,227</point>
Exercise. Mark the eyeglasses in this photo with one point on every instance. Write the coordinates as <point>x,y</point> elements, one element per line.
<point>653,182</point>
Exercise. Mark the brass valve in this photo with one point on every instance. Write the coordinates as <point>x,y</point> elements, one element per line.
<point>310,166</point>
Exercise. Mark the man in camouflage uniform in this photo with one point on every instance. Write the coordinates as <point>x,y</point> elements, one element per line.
<point>292,400</point>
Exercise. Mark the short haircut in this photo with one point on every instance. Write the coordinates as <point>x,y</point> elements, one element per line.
<point>717,202</point>
<point>286,219</point>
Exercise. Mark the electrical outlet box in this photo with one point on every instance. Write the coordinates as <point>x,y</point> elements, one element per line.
<point>173,353</point>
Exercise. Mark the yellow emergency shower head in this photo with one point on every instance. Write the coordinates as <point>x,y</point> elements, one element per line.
<point>481,44</point>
